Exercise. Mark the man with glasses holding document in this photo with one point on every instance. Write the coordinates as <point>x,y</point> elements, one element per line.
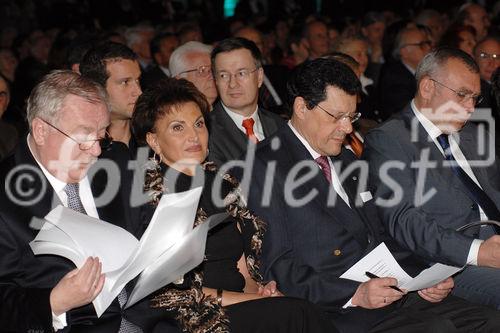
<point>435,172</point>
<point>321,221</point>
<point>68,115</point>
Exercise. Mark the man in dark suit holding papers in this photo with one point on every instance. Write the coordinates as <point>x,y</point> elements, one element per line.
<point>68,115</point>
<point>321,221</point>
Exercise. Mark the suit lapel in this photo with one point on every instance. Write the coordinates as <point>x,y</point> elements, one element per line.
<point>425,145</point>
<point>228,131</point>
<point>268,124</point>
<point>326,200</point>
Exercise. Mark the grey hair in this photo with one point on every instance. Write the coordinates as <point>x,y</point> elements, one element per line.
<point>434,61</point>
<point>177,63</point>
<point>46,99</point>
<point>398,43</point>
<point>134,34</point>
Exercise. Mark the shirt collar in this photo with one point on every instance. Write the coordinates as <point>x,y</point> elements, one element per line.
<point>306,144</point>
<point>429,127</point>
<point>409,68</point>
<point>57,184</point>
<point>238,118</point>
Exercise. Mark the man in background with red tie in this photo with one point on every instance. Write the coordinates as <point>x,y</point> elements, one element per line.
<point>236,120</point>
<point>320,220</point>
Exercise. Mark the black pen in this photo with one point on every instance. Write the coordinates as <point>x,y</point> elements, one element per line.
<point>373,276</point>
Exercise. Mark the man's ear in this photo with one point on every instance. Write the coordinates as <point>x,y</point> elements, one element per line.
<point>152,141</point>
<point>39,131</point>
<point>426,88</point>
<point>300,107</point>
<point>260,75</point>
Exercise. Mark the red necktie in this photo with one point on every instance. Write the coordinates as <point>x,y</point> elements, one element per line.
<point>325,167</point>
<point>357,146</point>
<point>248,125</point>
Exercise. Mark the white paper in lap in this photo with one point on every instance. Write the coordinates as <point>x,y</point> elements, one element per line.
<point>381,263</point>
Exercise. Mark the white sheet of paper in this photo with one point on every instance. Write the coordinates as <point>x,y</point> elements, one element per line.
<point>379,262</point>
<point>382,263</point>
<point>430,277</point>
<point>187,253</point>
<point>94,237</point>
<point>173,218</point>
<point>77,236</point>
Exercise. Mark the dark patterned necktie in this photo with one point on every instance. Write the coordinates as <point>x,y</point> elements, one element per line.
<point>73,192</point>
<point>75,203</point>
<point>475,192</point>
<point>325,167</point>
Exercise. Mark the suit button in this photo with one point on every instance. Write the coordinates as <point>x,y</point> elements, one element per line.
<point>337,252</point>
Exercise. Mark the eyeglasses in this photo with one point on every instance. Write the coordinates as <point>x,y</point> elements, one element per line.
<point>484,55</point>
<point>104,142</point>
<point>241,75</point>
<point>462,96</point>
<point>352,117</point>
<point>202,71</point>
<point>423,44</point>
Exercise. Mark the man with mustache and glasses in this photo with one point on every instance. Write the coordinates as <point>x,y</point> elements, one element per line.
<point>434,172</point>
<point>320,221</point>
<point>68,115</point>
<point>191,61</point>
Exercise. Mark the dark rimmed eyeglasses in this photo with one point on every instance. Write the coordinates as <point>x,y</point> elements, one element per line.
<point>242,74</point>
<point>202,71</point>
<point>105,142</point>
<point>462,96</point>
<point>351,117</point>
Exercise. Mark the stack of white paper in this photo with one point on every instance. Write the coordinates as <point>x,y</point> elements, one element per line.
<point>169,248</point>
<point>381,262</point>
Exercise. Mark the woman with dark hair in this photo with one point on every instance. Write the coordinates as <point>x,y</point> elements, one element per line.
<point>462,37</point>
<point>226,292</point>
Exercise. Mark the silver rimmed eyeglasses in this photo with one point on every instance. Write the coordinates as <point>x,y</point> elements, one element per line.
<point>463,97</point>
<point>201,71</point>
<point>352,117</point>
<point>242,74</point>
<point>105,142</point>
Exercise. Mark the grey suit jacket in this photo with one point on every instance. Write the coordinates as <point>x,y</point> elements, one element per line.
<point>226,141</point>
<point>428,203</point>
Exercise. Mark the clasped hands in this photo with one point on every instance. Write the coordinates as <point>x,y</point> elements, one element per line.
<point>377,293</point>
<point>269,290</point>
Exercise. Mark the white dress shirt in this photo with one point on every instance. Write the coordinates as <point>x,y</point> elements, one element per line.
<point>238,120</point>
<point>434,132</point>
<point>337,186</point>
<point>59,322</point>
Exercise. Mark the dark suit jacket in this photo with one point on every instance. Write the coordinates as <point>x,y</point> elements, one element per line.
<point>308,246</point>
<point>19,224</point>
<point>226,141</point>
<point>396,88</point>
<point>32,305</point>
<point>151,75</point>
<point>421,222</point>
